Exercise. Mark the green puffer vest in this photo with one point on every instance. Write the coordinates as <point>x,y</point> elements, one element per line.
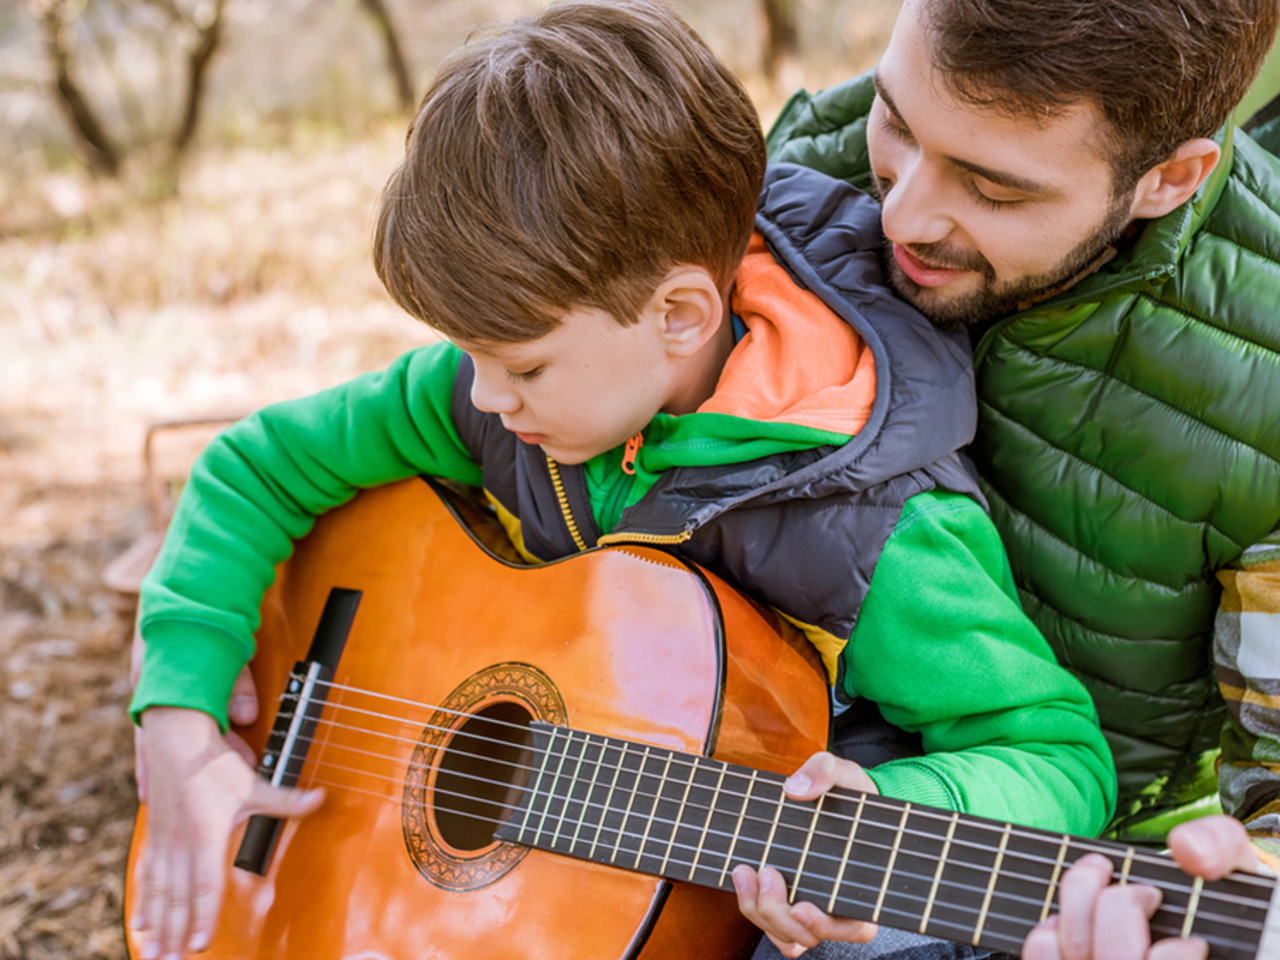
<point>1129,444</point>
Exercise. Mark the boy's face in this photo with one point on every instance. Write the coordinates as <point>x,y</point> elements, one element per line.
<point>982,211</point>
<point>584,388</point>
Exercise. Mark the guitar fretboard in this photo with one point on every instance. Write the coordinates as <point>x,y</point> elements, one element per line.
<point>862,856</point>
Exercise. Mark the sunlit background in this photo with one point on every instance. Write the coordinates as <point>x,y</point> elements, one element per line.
<point>197,270</point>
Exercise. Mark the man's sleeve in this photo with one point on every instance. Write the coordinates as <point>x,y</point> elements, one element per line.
<point>1247,664</point>
<point>257,488</point>
<point>943,647</point>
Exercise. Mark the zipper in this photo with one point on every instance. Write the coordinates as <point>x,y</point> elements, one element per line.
<point>629,454</point>
<point>648,538</point>
<point>563,499</point>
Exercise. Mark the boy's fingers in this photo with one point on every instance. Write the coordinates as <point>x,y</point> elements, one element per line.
<point>1042,941</point>
<point>1120,928</point>
<point>826,927</point>
<point>283,802</point>
<point>1077,898</point>
<point>242,708</point>
<point>207,881</point>
<point>821,772</point>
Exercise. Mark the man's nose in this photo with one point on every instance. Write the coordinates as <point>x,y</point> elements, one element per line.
<point>915,206</point>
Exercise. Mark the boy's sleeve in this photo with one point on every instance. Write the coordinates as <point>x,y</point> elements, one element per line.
<point>943,647</point>
<point>1247,664</point>
<point>258,487</point>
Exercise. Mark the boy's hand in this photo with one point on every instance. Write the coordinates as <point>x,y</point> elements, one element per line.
<point>762,898</point>
<point>1098,920</point>
<point>199,787</point>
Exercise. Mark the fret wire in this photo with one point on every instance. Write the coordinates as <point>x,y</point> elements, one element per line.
<point>706,825</point>
<point>657,797</point>
<point>773,829</point>
<point>568,795</point>
<point>608,799</point>
<point>591,786</point>
<point>542,768</point>
<point>1011,898</point>
<point>737,827</point>
<point>942,862</point>
<point>1228,921</point>
<point>995,875</point>
<point>551,793</point>
<point>844,859</point>
<point>808,841</point>
<point>1057,872</point>
<point>1124,870</point>
<point>684,798</point>
<point>622,827</point>
<point>1159,862</point>
<point>1191,907</point>
<point>893,856</point>
<point>1085,845</point>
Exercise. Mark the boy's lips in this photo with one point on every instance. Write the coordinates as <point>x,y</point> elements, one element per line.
<point>919,272</point>
<point>533,439</point>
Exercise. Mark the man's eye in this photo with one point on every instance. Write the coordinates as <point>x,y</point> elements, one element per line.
<point>524,375</point>
<point>992,203</point>
<point>894,128</point>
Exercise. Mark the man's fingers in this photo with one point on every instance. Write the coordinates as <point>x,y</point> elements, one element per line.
<point>1211,847</point>
<point>242,708</point>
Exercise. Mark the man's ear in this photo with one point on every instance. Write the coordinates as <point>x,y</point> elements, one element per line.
<point>1168,185</point>
<point>688,305</point>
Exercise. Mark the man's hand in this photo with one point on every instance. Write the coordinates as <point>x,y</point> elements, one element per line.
<point>199,787</point>
<point>762,897</point>
<point>1098,920</point>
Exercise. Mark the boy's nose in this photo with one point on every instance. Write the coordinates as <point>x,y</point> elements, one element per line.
<point>490,394</point>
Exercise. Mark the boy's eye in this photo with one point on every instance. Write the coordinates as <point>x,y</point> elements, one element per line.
<point>524,375</point>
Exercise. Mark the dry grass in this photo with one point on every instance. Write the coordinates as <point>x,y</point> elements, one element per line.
<point>116,311</point>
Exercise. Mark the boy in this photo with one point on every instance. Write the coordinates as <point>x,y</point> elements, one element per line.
<point>635,352</point>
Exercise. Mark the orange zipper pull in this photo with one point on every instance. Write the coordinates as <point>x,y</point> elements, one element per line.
<point>630,453</point>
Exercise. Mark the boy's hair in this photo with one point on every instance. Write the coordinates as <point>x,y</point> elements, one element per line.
<point>569,161</point>
<point>1162,72</point>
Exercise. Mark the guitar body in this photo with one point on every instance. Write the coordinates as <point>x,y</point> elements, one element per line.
<point>626,641</point>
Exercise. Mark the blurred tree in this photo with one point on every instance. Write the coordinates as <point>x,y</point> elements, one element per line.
<point>74,27</point>
<point>782,37</point>
<point>395,57</point>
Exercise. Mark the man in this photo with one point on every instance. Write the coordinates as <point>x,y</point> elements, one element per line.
<point>1055,176</point>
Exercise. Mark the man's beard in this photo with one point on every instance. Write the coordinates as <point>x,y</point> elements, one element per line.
<point>993,299</point>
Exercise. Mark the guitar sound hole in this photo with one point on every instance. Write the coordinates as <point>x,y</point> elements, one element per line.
<point>482,774</point>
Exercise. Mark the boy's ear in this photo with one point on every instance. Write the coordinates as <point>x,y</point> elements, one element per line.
<point>1168,185</point>
<point>688,305</point>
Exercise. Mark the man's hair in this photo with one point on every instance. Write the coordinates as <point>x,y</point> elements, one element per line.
<point>570,160</point>
<point>1161,72</point>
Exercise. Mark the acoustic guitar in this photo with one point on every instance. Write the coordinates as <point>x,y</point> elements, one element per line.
<point>566,761</point>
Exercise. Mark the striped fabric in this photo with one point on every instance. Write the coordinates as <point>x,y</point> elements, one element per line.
<point>1247,663</point>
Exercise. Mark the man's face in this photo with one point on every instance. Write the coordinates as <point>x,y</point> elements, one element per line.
<point>982,211</point>
<point>584,388</point>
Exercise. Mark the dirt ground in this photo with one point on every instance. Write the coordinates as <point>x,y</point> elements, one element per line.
<point>128,315</point>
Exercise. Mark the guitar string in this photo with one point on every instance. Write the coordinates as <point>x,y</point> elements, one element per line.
<point>999,898</point>
<point>1052,840</point>
<point>1086,844</point>
<point>847,882</point>
<point>657,798</point>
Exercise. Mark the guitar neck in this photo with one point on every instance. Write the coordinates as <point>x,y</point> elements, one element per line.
<point>861,856</point>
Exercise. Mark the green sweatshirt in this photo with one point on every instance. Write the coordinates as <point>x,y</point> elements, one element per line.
<point>941,644</point>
